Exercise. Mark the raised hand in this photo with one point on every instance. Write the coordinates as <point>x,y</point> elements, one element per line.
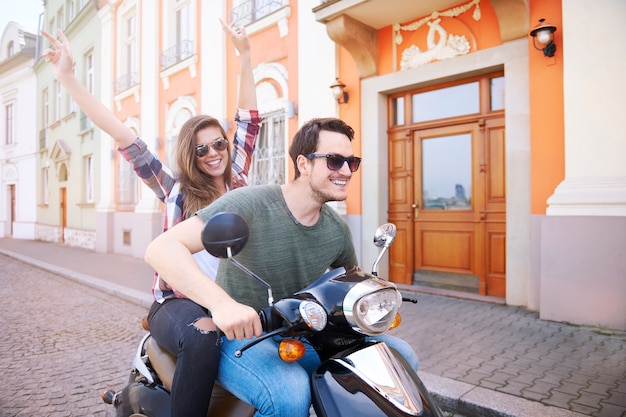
<point>59,54</point>
<point>237,36</point>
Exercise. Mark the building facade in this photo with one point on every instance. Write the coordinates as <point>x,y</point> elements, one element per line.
<point>18,146</point>
<point>460,88</point>
<point>70,156</point>
<point>475,143</point>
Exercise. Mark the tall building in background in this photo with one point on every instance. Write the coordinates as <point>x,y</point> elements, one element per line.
<point>18,134</point>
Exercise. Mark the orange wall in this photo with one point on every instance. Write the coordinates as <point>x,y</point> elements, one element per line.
<point>350,112</point>
<point>482,34</point>
<point>547,159</point>
<point>547,132</point>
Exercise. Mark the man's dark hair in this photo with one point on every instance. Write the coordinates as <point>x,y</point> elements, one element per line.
<point>306,138</point>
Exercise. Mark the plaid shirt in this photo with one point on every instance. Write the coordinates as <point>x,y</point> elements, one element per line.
<point>167,189</point>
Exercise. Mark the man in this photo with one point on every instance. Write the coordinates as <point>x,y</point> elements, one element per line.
<point>294,238</point>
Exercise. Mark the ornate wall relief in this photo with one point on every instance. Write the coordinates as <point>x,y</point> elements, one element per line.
<point>441,43</point>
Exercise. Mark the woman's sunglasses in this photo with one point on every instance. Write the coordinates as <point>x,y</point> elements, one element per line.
<point>219,144</point>
<point>335,162</point>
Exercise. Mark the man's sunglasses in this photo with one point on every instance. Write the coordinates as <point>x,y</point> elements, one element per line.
<point>219,144</point>
<point>335,162</point>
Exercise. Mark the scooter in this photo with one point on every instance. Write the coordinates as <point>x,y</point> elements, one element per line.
<point>334,314</point>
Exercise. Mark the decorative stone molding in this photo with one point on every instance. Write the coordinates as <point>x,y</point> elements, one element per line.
<point>589,196</point>
<point>279,18</point>
<point>359,39</point>
<point>190,64</point>
<point>447,45</point>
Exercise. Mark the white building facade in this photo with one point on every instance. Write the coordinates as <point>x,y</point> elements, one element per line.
<point>18,133</point>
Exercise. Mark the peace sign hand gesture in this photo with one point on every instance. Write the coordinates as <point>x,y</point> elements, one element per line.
<point>237,36</point>
<point>59,54</point>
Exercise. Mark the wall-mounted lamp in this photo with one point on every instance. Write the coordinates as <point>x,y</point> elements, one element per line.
<point>338,91</point>
<point>543,38</point>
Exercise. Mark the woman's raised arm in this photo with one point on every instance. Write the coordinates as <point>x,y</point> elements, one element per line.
<point>60,56</point>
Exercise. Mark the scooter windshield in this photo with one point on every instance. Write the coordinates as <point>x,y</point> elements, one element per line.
<point>377,367</point>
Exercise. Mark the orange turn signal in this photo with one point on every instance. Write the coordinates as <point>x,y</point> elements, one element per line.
<point>291,350</point>
<point>396,321</point>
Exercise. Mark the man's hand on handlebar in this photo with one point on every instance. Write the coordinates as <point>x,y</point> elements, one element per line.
<point>236,320</point>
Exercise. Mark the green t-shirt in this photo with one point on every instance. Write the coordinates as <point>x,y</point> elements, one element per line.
<point>280,250</point>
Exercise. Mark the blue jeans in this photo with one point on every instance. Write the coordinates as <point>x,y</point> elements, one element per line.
<point>197,354</point>
<point>274,387</point>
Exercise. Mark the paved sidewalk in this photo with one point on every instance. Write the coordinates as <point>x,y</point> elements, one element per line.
<point>479,358</point>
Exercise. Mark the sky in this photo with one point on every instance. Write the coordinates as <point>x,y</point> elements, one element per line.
<point>24,12</point>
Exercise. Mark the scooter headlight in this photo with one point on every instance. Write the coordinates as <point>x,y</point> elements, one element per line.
<point>369,311</point>
<point>313,315</point>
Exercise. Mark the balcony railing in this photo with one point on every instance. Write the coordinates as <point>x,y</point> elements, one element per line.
<point>253,10</point>
<point>125,82</point>
<point>175,54</point>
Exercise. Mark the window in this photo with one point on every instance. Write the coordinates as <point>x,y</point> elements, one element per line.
<point>60,19</point>
<point>85,123</point>
<point>89,72</point>
<point>128,54</point>
<point>9,124</point>
<point>128,186</point>
<point>180,34</point>
<point>43,133</point>
<point>436,104</point>
<point>131,45</point>
<point>127,183</point>
<point>184,24</point>
<point>397,111</point>
<point>46,186</point>
<point>182,115</point>
<point>447,186</point>
<point>269,163</point>
<point>496,96</point>
<point>57,100</point>
<point>89,179</point>
<point>45,109</point>
<point>71,104</point>
<point>69,6</point>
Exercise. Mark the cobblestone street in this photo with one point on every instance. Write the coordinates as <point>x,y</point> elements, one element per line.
<point>62,343</point>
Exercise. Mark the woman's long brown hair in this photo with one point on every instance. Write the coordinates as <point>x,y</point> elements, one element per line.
<point>198,188</point>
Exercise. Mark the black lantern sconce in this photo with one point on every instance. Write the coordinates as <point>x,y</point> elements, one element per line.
<point>543,38</point>
<point>338,92</point>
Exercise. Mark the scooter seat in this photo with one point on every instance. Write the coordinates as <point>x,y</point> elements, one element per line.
<point>223,403</point>
<point>163,362</point>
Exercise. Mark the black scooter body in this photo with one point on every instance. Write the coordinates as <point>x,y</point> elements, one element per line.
<point>140,397</point>
<point>339,392</point>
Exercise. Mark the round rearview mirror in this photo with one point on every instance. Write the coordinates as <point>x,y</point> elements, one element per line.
<point>384,235</point>
<point>225,234</point>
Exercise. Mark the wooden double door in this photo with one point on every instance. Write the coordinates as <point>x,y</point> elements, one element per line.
<point>447,198</point>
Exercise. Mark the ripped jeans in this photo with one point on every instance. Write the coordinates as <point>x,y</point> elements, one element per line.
<point>173,326</point>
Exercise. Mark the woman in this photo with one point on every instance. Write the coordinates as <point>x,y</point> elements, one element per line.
<point>207,168</point>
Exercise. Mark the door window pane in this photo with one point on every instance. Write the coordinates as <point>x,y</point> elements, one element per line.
<point>446,102</point>
<point>496,92</point>
<point>397,111</point>
<point>447,173</point>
